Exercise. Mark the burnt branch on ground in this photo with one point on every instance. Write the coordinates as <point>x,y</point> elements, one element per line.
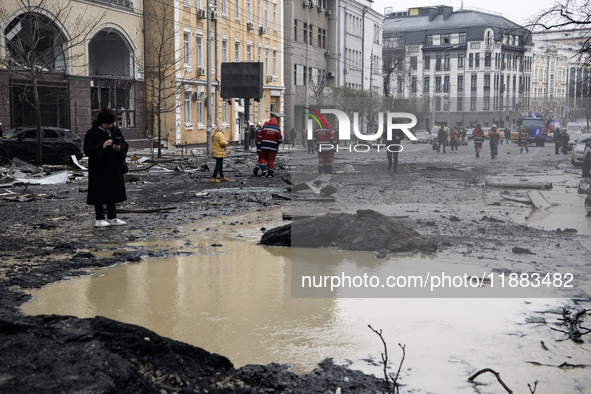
<point>387,376</point>
<point>573,324</point>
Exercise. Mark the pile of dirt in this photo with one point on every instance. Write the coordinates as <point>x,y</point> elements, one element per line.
<point>367,230</point>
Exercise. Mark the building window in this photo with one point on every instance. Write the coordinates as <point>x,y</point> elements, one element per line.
<point>413,63</point>
<point>486,81</point>
<point>460,60</point>
<point>446,62</point>
<point>266,14</point>
<point>187,48</point>
<point>249,10</point>
<point>267,69</point>
<point>446,84</point>
<point>437,103</point>
<point>427,62</point>
<point>199,51</point>
<point>249,53</point>
<point>305,33</point>
<point>474,82</point>
<point>275,16</point>
<point>486,103</point>
<point>400,86</point>
<point>310,28</point>
<point>237,10</point>
<point>274,62</point>
<point>226,112</point>
<point>259,12</point>
<point>188,109</point>
<point>488,39</point>
<point>438,84</point>
<point>472,103</point>
<point>237,51</point>
<point>429,42</point>
<point>445,39</point>
<point>462,38</point>
<point>471,60</point>
<point>460,82</point>
<point>460,104</point>
<point>225,8</point>
<point>438,63</point>
<point>225,51</point>
<point>477,60</point>
<point>426,83</point>
<point>200,108</point>
<point>413,84</point>
<point>487,59</point>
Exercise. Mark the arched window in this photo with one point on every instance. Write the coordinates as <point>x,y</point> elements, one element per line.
<point>33,40</point>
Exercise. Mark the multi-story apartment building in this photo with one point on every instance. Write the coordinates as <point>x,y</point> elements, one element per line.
<point>471,66</point>
<point>571,98</point>
<point>317,61</point>
<point>360,46</point>
<point>549,84</point>
<point>311,56</point>
<point>176,64</point>
<point>87,57</point>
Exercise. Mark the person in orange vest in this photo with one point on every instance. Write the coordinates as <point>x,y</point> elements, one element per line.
<point>324,139</point>
<point>478,135</point>
<point>523,137</point>
<point>269,137</point>
<point>494,136</point>
<point>453,138</point>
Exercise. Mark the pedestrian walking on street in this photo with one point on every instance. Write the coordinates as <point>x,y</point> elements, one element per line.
<point>392,149</point>
<point>478,135</point>
<point>523,136</point>
<point>252,134</point>
<point>269,137</point>
<point>218,152</point>
<point>495,137</point>
<point>557,141</point>
<point>463,134</point>
<point>303,138</point>
<point>453,138</point>
<point>441,139</point>
<point>106,150</point>
<point>323,139</point>
<point>507,135</point>
<point>565,139</point>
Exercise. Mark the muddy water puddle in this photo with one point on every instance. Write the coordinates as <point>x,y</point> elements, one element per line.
<point>236,300</point>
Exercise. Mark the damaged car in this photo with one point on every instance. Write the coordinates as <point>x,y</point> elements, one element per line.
<point>58,145</point>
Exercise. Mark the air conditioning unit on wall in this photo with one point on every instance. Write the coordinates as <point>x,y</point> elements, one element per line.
<point>262,30</point>
<point>201,14</point>
<point>201,71</point>
<point>250,25</point>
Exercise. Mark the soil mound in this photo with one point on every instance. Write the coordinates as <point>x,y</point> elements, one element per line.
<point>367,230</point>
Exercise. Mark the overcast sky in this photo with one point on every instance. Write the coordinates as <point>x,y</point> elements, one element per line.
<point>518,11</point>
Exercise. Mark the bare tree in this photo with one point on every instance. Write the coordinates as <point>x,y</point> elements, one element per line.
<point>162,63</point>
<point>568,14</point>
<point>36,46</point>
<point>392,63</point>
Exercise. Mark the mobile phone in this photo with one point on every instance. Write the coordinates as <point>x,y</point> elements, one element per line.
<point>117,141</point>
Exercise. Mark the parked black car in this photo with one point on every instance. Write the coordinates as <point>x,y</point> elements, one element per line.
<point>58,145</point>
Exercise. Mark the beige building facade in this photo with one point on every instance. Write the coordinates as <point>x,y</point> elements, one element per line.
<point>176,65</point>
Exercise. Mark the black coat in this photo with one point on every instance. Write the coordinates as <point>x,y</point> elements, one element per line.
<point>105,177</point>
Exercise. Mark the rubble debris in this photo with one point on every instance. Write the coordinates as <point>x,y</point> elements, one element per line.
<point>517,197</point>
<point>520,185</point>
<point>366,230</point>
<point>319,185</point>
<point>60,177</point>
<point>520,250</point>
<point>539,201</point>
<point>152,210</point>
<point>77,164</point>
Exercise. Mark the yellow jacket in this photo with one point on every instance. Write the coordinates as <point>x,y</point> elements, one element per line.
<point>218,145</point>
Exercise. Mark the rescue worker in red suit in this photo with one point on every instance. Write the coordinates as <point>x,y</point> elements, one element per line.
<point>269,137</point>
<point>478,135</point>
<point>324,140</point>
<point>523,137</point>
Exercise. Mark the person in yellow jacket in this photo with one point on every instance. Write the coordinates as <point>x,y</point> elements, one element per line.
<point>218,152</point>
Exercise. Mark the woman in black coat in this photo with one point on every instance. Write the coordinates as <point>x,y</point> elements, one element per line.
<point>106,150</point>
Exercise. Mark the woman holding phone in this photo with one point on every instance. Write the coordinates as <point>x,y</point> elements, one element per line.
<point>106,150</point>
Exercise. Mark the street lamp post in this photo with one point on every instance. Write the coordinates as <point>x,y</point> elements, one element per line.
<point>434,75</point>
